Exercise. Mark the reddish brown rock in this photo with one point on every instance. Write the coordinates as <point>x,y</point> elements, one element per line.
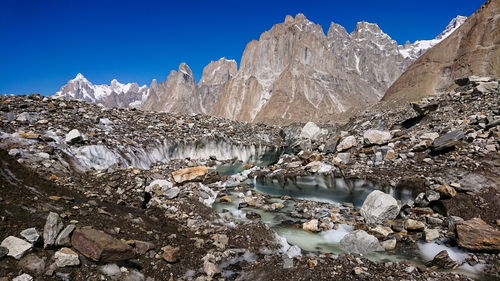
<point>189,174</point>
<point>446,191</point>
<point>100,246</point>
<point>477,235</point>
<point>171,254</point>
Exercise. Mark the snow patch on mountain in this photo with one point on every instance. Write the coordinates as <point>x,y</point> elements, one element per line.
<point>415,50</point>
<point>114,95</point>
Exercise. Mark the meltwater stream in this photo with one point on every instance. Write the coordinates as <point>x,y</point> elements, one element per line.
<point>327,189</point>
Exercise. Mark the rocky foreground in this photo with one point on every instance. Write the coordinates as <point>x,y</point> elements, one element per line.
<point>90,193</point>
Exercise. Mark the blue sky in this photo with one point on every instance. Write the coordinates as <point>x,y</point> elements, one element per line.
<point>45,43</point>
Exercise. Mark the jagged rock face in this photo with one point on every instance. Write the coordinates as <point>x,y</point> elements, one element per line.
<point>473,49</point>
<point>179,93</point>
<point>175,94</point>
<point>213,78</point>
<point>114,95</point>
<point>295,72</point>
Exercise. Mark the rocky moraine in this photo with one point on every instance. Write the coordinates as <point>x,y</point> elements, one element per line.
<point>399,191</point>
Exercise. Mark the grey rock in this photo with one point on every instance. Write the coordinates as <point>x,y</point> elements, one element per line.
<point>112,270</point>
<point>74,136</point>
<point>3,252</point>
<point>377,137</point>
<point>360,242</point>
<point>52,227</point>
<point>23,277</point>
<point>447,141</point>
<point>64,238</point>
<point>17,247</point>
<point>347,143</point>
<point>133,275</point>
<point>379,206</point>
<point>32,263</point>
<point>64,276</point>
<point>311,131</point>
<point>432,195</point>
<point>30,234</point>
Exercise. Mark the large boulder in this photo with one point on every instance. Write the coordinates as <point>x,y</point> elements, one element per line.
<point>74,136</point>
<point>189,174</point>
<point>99,246</point>
<point>377,137</point>
<point>477,235</point>
<point>347,143</point>
<point>360,242</point>
<point>311,131</point>
<point>379,206</point>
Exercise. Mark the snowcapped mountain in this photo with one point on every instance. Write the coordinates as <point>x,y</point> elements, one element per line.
<point>415,50</point>
<point>114,95</point>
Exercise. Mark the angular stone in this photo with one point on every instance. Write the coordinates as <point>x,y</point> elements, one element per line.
<point>429,136</point>
<point>381,231</point>
<point>66,257</point>
<point>487,87</point>
<point>189,174</point>
<point>311,131</point>
<point>379,206</point>
<point>443,260</point>
<point>432,195</point>
<point>377,137</point>
<point>32,263</point>
<point>158,187</point>
<point>64,239</point>
<point>347,143</point>
<point>414,225</point>
<point>477,235</point>
<point>447,141</point>
<point>446,191</point>
<point>17,247</point>
<point>311,225</point>
<point>23,277</point>
<point>171,254</point>
<point>99,246</point>
<point>74,136</point>
<point>389,245</point>
<point>431,234</point>
<point>52,227</point>
<point>220,240</point>
<point>360,242</point>
<point>141,247</point>
<point>30,234</point>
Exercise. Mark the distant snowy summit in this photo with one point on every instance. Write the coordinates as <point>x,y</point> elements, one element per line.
<point>114,95</point>
<point>418,48</point>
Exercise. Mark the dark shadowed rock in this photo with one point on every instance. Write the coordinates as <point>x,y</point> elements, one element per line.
<point>447,141</point>
<point>443,260</point>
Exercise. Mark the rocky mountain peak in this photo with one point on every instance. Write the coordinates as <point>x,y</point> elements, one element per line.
<point>337,31</point>
<point>452,26</point>
<point>220,71</point>
<point>80,78</point>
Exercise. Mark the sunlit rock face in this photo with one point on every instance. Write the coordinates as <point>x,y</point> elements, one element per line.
<point>181,94</point>
<point>296,72</point>
<point>472,49</point>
